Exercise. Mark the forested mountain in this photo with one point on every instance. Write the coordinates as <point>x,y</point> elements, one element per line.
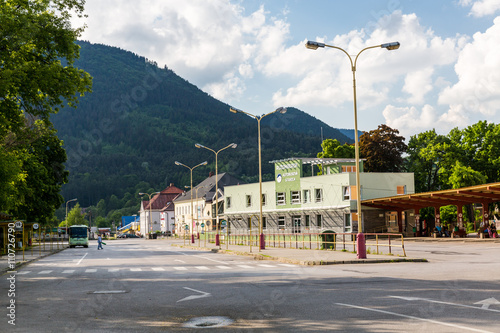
<point>139,119</point>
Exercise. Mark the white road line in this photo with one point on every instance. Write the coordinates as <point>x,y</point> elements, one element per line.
<point>244,266</point>
<point>23,272</point>
<point>206,258</point>
<point>79,261</point>
<point>44,272</point>
<point>201,267</point>
<point>287,265</point>
<point>415,318</point>
<point>90,270</point>
<point>180,268</point>
<point>68,271</point>
<point>113,269</point>
<point>157,269</point>
<point>223,267</point>
<point>266,265</point>
<point>136,269</point>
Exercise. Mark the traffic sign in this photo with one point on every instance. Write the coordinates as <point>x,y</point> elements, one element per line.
<point>203,225</point>
<point>35,226</point>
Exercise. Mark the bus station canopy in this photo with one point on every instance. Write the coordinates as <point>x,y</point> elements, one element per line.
<point>484,194</point>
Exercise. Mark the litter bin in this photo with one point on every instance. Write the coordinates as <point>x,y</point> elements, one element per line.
<point>328,239</point>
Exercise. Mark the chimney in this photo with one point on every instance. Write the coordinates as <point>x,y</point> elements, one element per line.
<point>210,174</point>
<point>171,185</point>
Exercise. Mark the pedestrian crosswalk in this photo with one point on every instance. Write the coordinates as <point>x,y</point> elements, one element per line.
<point>150,269</point>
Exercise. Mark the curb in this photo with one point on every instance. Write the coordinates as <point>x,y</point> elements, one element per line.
<point>20,264</point>
<point>305,262</point>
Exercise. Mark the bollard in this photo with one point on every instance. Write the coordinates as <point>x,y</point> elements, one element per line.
<point>361,246</point>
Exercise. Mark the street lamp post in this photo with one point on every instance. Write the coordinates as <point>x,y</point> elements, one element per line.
<point>389,46</point>
<point>197,215</point>
<point>67,231</point>
<point>150,214</point>
<point>191,191</point>
<point>282,110</point>
<point>232,145</point>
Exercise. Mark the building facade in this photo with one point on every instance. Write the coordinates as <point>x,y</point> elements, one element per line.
<point>293,203</point>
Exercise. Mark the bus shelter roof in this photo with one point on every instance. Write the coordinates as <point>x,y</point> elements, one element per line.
<point>486,193</point>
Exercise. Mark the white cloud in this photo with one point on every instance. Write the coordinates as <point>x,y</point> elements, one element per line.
<point>417,84</point>
<point>481,8</point>
<point>478,86</point>
<point>410,120</point>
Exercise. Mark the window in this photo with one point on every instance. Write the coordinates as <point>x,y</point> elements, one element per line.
<point>281,222</point>
<point>348,168</point>
<point>249,223</point>
<point>263,199</point>
<point>295,195</point>
<point>307,196</point>
<point>347,192</point>
<point>347,227</point>
<point>319,221</point>
<point>318,195</point>
<point>306,218</point>
<point>280,198</point>
<point>249,201</point>
<point>264,222</point>
<point>228,202</point>
<point>401,189</point>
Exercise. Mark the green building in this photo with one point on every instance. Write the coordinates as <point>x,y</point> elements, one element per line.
<point>293,203</point>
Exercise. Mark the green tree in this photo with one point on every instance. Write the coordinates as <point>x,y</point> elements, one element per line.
<point>333,149</point>
<point>37,77</point>
<point>75,216</point>
<point>462,176</point>
<point>382,150</point>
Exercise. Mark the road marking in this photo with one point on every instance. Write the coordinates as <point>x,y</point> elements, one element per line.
<point>109,292</point>
<point>79,261</point>
<point>90,270</point>
<point>180,261</point>
<point>157,269</point>
<point>136,269</point>
<point>206,258</point>
<point>113,269</point>
<point>487,302</point>
<point>447,303</point>
<point>44,272</point>
<point>287,265</point>
<point>413,317</point>
<point>203,294</point>
<point>68,271</point>
<point>201,267</point>
<point>223,267</point>
<point>23,272</point>
<point>244,266</point>
<point>180,268</point>
<point>266,265</point>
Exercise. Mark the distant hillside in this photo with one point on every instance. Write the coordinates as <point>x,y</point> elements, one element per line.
<point>140,119</point>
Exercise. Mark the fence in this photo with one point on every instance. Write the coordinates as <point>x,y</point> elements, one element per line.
<point>324,241</point>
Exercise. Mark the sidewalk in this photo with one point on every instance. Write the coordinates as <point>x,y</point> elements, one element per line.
<point>29,256</point>
<point>297,256</point>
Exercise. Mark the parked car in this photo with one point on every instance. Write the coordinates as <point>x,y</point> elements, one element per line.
<point>132,236</point>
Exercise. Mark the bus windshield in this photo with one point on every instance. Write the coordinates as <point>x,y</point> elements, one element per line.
<point>78,232</point>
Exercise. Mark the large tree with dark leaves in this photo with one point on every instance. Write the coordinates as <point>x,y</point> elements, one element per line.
<point>382,150</point>
<point>37,77</point>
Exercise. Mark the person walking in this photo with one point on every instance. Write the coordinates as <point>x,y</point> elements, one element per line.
<point>99,243</point>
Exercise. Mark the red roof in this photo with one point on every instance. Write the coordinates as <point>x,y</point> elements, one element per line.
<point>162,199</point>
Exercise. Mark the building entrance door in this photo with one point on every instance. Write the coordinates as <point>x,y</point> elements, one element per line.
<point>296,223</point>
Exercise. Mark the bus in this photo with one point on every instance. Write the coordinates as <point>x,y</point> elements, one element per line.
<point>78,236</point>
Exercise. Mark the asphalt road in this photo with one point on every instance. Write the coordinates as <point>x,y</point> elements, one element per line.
<point>135,285</point>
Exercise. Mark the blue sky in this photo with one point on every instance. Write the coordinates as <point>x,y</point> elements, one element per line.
<point>251,54</point>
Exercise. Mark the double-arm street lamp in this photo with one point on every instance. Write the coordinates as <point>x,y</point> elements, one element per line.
<point>389,46</point>
<point>282,110</point>
<point>150,215</point>
<point>191,191</point>
<point>232,145</point>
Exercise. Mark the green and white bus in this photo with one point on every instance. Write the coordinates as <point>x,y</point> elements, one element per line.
<point>78,236</point>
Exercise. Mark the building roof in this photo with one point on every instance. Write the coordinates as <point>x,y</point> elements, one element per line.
<point>485,193</point>
<point>206,189</point>
<point>317,160</point>
<point>162,200</point>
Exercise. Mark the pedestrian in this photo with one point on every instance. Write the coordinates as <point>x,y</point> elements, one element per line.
<point>99,243</point>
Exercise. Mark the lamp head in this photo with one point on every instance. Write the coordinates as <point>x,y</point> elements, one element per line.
<point>235,110</point>
<point>197,145</point>
<point>140,193</point>
<point>204,163</point>
<point>391,46</point>
<point>234,145</point>
<point>177,163</point>
<point>281,110</point>
<point>314,45</point>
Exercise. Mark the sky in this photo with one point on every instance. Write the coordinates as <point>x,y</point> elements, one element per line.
<point>251,54</point>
